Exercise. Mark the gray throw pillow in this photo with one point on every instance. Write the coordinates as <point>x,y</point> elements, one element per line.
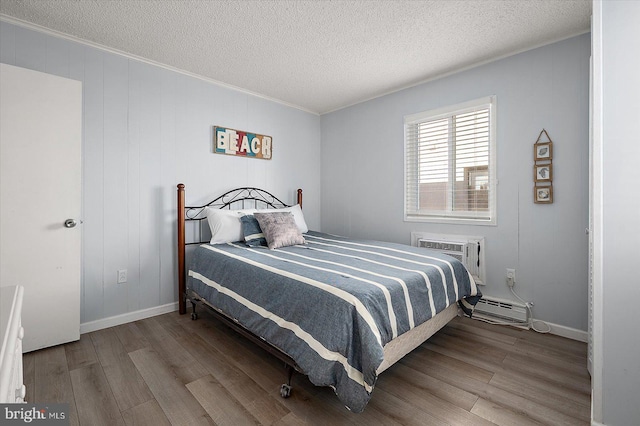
<point>279,229</point>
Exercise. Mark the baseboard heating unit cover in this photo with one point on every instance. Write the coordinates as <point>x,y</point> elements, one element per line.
<point>496,309</point>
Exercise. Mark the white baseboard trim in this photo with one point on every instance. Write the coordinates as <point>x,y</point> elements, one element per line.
<point>100,324</point>
<point>594,423</point>
<point>568,332</point>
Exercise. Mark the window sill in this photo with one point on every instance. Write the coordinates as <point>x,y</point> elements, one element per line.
<point>452,220</point>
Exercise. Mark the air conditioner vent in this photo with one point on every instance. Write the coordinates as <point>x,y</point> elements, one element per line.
<point>440,245</point>
<point>468,250</point>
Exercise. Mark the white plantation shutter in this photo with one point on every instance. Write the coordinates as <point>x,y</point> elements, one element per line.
<point>450,164</point>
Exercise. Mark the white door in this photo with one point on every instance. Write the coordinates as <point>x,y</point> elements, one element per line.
<point>40,188</point>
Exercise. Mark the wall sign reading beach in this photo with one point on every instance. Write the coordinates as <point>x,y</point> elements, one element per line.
<point>241,143</point>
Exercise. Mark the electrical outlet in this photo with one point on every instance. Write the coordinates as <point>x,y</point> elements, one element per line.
<point>122,276</point>
<point>511,277</point>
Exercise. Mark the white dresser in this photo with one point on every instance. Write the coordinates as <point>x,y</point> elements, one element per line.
<point>12,389</point>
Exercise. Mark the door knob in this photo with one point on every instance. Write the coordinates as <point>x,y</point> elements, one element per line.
<point>70,223</point>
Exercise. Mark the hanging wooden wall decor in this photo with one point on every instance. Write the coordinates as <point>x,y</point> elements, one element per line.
<point>543,169</point>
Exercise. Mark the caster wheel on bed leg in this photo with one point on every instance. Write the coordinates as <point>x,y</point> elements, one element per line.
<point>194,316</point>
<point>285,391</point>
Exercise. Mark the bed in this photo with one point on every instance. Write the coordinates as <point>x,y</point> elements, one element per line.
<point>338,310</point>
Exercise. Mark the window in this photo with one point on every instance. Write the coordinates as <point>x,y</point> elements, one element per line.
<point>450,164</point>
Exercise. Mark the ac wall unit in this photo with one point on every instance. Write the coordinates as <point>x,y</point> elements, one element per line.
<point>468,250</point>
<point>499,309</point>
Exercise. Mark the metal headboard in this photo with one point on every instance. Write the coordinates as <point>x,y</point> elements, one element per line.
<point>247,197</point>
<point>239,198</point>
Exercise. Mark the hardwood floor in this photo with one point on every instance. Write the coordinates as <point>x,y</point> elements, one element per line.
<point>169,370</point>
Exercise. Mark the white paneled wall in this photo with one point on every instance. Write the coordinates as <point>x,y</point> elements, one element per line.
<point>147,128</point>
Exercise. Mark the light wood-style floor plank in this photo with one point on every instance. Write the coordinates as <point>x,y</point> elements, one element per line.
<point>147,414</point>
<point>484,355</point>
<point>541,412</point>
<point>129,388</point>
<point>417,389</point>
<point>221,406</point>
<point>490,333</point>
<point>80,353</point>
<point>94,399</point>
<point>326,398</point>
<point>570,362</point>
<point>557,376</point>
<point>435,361</point>
<point>530,390</point>
<point>131,337</point>
<point>52,380</point>
<point>291,420</point>
<point>548,340</point>
<point>179,360</point>
<point>403,376</point>
<point>172,370</point>
<point>176,401</point>
<point>29,375</point>
<point>400,411</point>
<point>502,416</point>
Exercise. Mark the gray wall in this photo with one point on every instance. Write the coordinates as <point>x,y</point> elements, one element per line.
<point>145,130</point>
<point>362,172</point>
<point>620,212</point>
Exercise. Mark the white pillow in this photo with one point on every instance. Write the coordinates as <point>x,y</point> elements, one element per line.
<point>225,225</point>
<point>297,216</point>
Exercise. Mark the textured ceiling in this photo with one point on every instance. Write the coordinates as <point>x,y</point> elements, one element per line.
<point>316,55</point>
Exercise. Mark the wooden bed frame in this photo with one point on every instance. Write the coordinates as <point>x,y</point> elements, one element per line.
<point>393,351</point>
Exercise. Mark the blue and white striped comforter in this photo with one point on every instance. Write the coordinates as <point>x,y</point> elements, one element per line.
<point>331,304</point>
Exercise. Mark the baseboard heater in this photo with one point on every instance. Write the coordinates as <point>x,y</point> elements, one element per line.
<point>501,310</point>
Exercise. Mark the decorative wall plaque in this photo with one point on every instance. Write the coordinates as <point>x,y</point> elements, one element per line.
<point>240,143</point>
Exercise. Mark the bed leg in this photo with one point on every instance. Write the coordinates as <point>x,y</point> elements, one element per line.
<point>285,389</point>
<point>194,314</point>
